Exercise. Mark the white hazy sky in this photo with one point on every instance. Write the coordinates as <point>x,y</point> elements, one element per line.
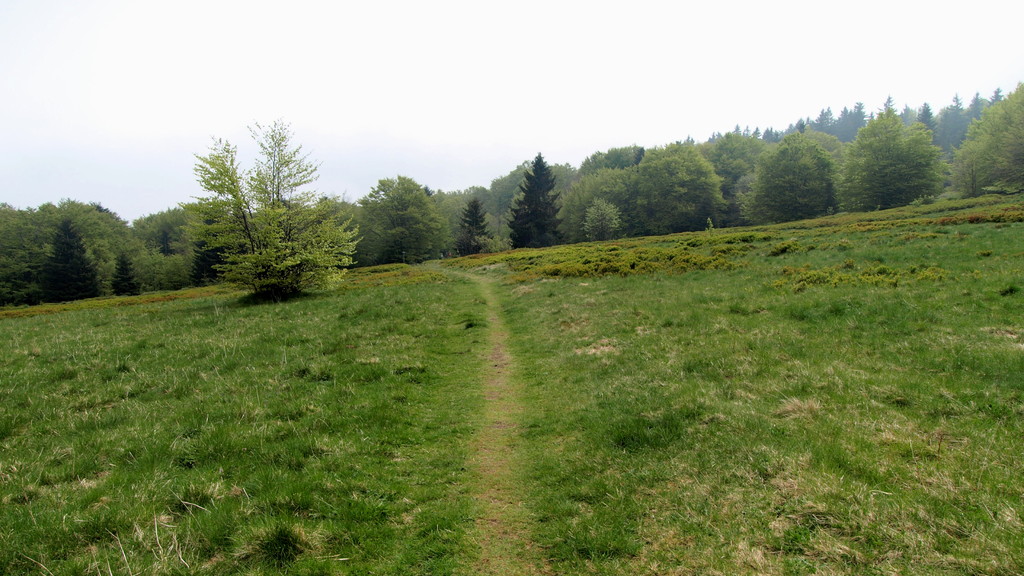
<point>108,101</point>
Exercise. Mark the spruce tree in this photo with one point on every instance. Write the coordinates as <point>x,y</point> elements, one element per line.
<point>926,117</point>
<point>534,221</point>
<point>125,282</point>
<point>472,229</point>
<point>68,273</point>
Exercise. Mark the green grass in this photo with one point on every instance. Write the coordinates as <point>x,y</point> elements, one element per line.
<point>320,436</point>
<point>850,404</point>
<point>836,396</point>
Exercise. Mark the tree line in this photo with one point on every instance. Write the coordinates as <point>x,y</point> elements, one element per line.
<point>262,228</point>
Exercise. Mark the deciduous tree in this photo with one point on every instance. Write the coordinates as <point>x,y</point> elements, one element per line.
<point>734,156</point>
<point>278,238</point>
<point>602,221</point>
<point>792,182</point>
<point>400,223</point>
<point>676,190</point>
<point>992,157</point>
<point>890,165</point>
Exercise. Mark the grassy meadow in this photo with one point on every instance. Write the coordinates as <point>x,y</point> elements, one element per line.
<point>836,396</point>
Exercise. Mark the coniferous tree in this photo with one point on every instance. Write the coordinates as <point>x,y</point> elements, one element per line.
<point>205,263</point>
<point>850,121</point>
<point>473,232</point>
<point>951,126</point>
<point>68,273</point>
<point>125,282</point>
<point>825,122</point>
<point>534,219</point>
<point>927,117</point>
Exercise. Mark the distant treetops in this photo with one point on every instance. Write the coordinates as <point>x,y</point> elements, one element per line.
<point>265,229</point>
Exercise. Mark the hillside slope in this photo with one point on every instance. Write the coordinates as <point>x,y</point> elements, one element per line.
<point>842,395</point>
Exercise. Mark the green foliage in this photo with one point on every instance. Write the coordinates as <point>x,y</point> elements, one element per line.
<point>22,252</point>
<point>125,282</point>
<point>164,232</point>
<point>68,272</point>
<point>499,198</point>
<point>992,157</point>
<point>734,157</point>
<point>951,126</point>
<point>400,223</point>
<point>676,190</point>
<point>889,165</point>
<point>533,221</point>
<point>794,181</point>
<point>473,231</point>
<point>277,239</point>
<point>610,185</point>
<point>614,159</point>
<point>602,221</point>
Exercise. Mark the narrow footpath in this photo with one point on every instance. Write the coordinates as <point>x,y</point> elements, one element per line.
<point>502,527</point>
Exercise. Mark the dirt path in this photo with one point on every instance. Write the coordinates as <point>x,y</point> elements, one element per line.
<point>502,528</point>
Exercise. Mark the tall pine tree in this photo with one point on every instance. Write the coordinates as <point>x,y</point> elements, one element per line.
<point>534,221</point>
<point>473,231</point>
<point>68,273</point>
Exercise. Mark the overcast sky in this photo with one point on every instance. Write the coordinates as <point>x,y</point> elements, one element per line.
<point>108,101</point>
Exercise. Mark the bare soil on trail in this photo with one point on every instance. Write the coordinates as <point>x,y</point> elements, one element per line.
<point>502,528</point>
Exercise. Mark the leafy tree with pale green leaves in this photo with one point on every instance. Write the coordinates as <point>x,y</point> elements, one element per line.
<point>992,157</point>
<point>278,239</point>
<point>400,223</point>
<point>534,217</point>
<point>602,221</point>
<point>793,181</point>
<point>890,165</point>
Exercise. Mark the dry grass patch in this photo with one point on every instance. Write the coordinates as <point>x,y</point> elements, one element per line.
<point>798,408</point>
<point>599,348</point>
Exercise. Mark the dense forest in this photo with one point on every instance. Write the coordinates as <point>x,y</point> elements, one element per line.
<point>855,160</point>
